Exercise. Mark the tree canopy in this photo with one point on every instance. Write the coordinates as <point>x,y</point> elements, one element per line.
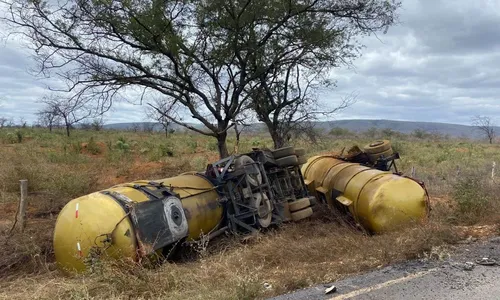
<point>208,56</point>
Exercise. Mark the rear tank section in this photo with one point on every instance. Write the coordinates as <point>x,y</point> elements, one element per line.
<point>379,201</point>
<point>134,220</point>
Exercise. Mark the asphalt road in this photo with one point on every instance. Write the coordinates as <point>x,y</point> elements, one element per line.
<point>457,277</point>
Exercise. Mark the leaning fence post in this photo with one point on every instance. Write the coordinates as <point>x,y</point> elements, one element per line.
<point>22,203</point>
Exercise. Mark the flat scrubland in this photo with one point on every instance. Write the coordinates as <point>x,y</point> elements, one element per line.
<point>464,197</point>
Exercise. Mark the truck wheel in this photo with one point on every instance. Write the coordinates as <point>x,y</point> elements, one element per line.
<point>264,209</point>
<point>255,179</point>
<point>287,161</point>
<point>302,214</point>
<point>283,152</point>
<point>374,157</point>
<point>299,204</point>
<point>377,147</point>
<point>300,151</point>
<point>302,160</point>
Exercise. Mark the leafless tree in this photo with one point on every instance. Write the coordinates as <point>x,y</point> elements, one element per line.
<point>242,123</point>
<point>486,126</point>
<point>196,52</point>
<point>71,110</point>
<point>148,127</point>
<point>3,122</point>
<point>163,111</point>
<point>48,117</point>
<point>98,124</point>
<point>135,127</point>
<point>286,101</point>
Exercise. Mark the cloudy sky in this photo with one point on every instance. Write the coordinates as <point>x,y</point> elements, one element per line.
<point>440,64</point>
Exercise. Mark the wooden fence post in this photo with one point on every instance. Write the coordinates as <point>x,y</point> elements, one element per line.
<point>23,203</point>
<point>493,166</point>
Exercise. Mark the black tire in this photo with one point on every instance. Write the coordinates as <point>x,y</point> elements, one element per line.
<point>302,214</point>
<point>374,157</point>
<point>283,152</point>
<point>377,147</point>
<point>241,161</point>
<point>299,204</point>
<point>302,160</point>
<point>287,161</point>
<point>300,151</point>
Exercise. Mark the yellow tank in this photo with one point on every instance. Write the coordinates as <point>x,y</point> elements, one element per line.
<point>379,201</point>
<point>106,221</point>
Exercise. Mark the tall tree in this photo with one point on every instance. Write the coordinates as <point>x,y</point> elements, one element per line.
<point>486,126</point>
<point>163,111</point>
<point>48,117</point>
<point>69,110</point>
<point>3,121</point>
<point>287,103</point>
<point>201,53</point>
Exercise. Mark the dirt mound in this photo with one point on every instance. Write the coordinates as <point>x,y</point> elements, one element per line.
<point>93,148</point>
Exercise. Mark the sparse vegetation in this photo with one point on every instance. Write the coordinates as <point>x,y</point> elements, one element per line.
<point>59,168</point>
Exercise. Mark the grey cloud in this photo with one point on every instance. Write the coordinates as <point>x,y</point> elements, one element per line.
<point>441,63</point>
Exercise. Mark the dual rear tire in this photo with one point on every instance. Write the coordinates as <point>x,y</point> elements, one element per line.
<point>301,208</point>
<point>289,156</point>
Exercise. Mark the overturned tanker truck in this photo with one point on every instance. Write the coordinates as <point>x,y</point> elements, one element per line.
<point>239,194</point>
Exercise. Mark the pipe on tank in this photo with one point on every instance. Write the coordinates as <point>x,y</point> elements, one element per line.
<point>105,222</point>
<point>379,201</point>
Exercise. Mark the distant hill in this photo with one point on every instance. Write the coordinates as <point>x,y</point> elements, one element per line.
<point>453,130</point>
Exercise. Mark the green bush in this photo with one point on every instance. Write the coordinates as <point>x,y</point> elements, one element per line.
<point>92,147</point>
<point>19,136</point>
<point>471,195</point>
<point>166,150</point>
<point>192,144</point>
<point>199,163</point>
<point>122,145</point>
<point>10,138</point>
<point>338,131</point>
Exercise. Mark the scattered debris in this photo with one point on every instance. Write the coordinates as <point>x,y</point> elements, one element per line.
<point>468,266</point>
<point>330,290</point>
<point>496,240</point>
<point>486,261</point>
<point>267,286</point>
<point>469,240</point>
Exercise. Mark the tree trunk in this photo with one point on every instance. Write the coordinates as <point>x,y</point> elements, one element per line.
<point>278,139</point>
<point>67,128</point>
<point>221,145</point>
<point>238,134</point>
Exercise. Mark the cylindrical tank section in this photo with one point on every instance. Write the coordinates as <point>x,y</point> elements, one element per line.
<point>133,220</point>
<point>379,201</point>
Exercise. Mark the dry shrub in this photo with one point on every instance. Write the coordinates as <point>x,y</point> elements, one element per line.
<point>477,199</point>
<point>29,252</point>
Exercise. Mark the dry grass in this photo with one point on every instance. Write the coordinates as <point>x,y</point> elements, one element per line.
<point>293,257</point>
<point>464,199</point>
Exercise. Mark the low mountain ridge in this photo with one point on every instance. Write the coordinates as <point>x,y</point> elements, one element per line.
<point>355,125</point>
